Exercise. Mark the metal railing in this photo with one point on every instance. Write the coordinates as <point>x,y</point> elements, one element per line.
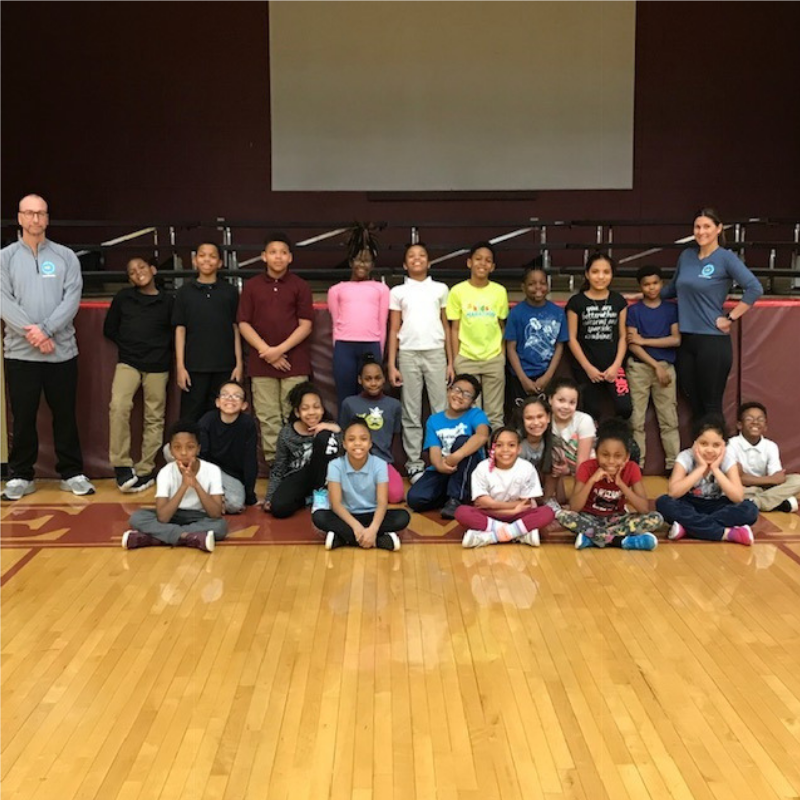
<point>560,246</point>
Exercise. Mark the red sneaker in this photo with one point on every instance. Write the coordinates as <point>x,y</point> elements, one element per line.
<point>202,541</point>
<point>677,531</point>
<point>132,540</point>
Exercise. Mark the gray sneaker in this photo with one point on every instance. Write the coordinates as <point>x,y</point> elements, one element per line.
<point>78,484</point>
<point>17,488</point>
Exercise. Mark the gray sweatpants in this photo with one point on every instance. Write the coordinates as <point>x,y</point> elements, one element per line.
<point>146,521</point>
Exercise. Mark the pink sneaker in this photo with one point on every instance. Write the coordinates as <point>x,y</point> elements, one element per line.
<point>741,534</point>
<point>677,531</point>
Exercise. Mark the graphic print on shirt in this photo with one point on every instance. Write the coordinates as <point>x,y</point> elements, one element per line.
<point>599,323</point>
<point>448,435</point>
<point>373,418</point>
<point>540,337</point>
<point>301,457</point>
<point>482,310</point>
<point>605,501</point>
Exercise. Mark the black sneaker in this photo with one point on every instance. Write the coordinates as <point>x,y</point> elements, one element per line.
<point>449,510</point>
<point>387,541</point>
<point>125,477</point>
<point>332,541</point>
<point>142,482</point>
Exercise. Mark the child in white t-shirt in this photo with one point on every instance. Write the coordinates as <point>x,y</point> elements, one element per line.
<point>504,492</point>
<point>189,499</point>
<point>764,479</point>
<point>419,353</point>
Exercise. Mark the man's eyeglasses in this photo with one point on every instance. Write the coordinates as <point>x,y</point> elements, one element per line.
<point>226,396</point>
<point>31,214</point>
<point>467,395</point>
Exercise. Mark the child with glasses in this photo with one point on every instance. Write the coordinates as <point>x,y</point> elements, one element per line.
<point>454,439</point>
<point>764,479</point>
<point>228,439</point>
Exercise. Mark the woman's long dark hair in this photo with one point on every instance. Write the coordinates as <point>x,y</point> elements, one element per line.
<point>715,218</point>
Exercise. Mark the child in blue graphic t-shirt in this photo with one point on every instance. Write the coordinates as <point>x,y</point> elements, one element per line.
<point>535,334</point>
<point>454,439</point>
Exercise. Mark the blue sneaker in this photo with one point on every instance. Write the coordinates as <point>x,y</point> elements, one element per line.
<point>582,541</point>
<point>643,541</point>
<point>320,501</point>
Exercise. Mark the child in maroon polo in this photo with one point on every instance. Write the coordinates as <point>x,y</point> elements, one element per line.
<point>275,319</point>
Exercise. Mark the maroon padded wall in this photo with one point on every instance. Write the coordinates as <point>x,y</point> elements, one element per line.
<point>762,369</point>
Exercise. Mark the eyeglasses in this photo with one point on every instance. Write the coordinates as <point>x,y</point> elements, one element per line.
<point>31,214</point>
<point>226,396</point>
<point>467,395</point>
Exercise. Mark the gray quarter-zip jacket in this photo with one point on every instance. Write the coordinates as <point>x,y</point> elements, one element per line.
<point>44,290</point>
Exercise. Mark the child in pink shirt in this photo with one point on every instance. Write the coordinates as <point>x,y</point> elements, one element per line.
<point>359,310</point>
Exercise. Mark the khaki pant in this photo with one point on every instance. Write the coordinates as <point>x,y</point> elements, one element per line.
<point>492,375</point>
<point>643,384</point>
<point>123,389</point>
<point>420,369</point>
<point>768,499</point>
<point>271,401</point>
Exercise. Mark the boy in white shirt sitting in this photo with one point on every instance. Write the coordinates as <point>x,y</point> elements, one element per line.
<point>189,498</point>
<point>763,477</point>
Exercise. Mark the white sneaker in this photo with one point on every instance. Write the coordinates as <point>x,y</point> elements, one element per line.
<point>414,475</point>
<point>78,484</point>
<point>167,453</point>
<point>793,504</point>
<point>473,538</point>
<point>17,488</point>
<point>531,538</point>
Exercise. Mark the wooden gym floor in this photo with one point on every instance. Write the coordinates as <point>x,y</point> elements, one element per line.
<point>273,669</point>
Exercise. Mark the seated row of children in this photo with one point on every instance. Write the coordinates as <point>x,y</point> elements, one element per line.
<point>496,499</point>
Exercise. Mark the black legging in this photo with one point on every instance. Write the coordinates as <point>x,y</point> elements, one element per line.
<point>396,519</point>
<point>592,395</point>
<point>704,363</point>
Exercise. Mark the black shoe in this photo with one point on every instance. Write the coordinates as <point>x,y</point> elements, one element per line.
<point>332,541</point>
<point>449,510</point>
<point>125,477</point>
<point>387,541</point>
<point>142,482</point>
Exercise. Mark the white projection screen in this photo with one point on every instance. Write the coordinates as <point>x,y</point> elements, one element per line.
<point>437,96</point>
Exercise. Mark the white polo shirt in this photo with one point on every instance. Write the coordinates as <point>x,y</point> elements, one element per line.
<point>761,460</point>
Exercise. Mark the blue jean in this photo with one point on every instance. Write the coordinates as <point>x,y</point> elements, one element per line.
<point>704,518</point>
<point>434,488</point>
<point>346,366</point>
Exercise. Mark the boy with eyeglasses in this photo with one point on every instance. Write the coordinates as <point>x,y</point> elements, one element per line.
<point>454,439</point>
<point>764,479</point>
<point>228,439</point>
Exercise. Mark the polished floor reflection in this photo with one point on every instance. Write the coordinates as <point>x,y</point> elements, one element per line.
<point>274,669</point>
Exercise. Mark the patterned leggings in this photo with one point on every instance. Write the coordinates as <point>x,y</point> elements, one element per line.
<point>609,531</point>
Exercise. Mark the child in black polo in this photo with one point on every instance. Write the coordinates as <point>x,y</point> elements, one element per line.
<point>208,350</point>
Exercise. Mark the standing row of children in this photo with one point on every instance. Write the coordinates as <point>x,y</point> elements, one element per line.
<point>275,315</point>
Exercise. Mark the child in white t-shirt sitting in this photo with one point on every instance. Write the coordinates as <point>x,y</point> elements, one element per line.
<point>189,498</point>
<point>504,492</point>
<point>764,479</point>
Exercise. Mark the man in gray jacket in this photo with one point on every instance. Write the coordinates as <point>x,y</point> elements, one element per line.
<point>41,289</point>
